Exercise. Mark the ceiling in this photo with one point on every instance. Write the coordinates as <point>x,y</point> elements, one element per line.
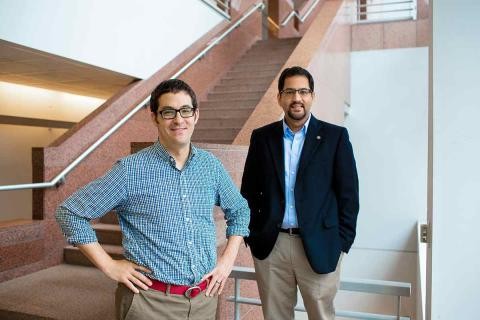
<point>26,66</point>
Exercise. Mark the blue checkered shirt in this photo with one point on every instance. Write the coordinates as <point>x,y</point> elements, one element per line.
<point>165,214</point>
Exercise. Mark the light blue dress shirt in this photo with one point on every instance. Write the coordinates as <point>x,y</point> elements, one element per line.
<point>292,149</point>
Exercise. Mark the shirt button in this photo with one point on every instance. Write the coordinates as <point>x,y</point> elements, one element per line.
<point>187,219</point>
<point>193,266</point>
<point>189,243</point>
<point>291,207</point>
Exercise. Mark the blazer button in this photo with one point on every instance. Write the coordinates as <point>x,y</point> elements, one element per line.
<point>259,210</point>
<point>261,193</point>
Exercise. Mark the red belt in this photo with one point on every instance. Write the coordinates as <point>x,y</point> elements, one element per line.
<point>187,291</point>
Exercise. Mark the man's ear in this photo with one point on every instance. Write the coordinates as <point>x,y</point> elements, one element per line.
<point>154,118</point>
<point>197,115</point>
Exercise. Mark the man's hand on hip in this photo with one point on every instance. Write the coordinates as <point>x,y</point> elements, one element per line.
<point>219,275</point>
<point>123,271</point>
<point>128,273</point>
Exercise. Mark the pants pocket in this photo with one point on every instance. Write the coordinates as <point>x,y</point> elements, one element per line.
<point>124,302</point>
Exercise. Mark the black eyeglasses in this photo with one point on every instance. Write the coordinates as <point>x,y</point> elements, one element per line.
<point>170,113</point>
<point>303,92</point>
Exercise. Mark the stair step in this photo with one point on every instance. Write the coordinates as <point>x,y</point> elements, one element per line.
<point>249,75</point>
<point>240,81</point>
<point>242,87</point>
<point>235,95</point>
<point>273,56</point>
<point>285,41</point>
<point>228,104</point>
<point>270,50</point>
<point>225,112</point>
<point>215,140</point>
<point>256,67</point>
<point>108,233</point>
<point>215,133</point>
<point>73,255</point>
<point>226,122</point>
<point>109,218</point>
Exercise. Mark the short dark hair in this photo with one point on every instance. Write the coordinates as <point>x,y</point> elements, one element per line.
<point>173,86</point>
<point>294,71</point>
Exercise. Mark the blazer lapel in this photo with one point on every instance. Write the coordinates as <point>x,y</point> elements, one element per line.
<point>312,141</point>
<point>276,148</point>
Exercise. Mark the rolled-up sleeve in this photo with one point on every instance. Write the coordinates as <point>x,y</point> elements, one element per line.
<point>91,202</point>
<point>235,207</point>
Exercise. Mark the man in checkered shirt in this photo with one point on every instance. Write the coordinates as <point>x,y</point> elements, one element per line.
<point>164,197</point>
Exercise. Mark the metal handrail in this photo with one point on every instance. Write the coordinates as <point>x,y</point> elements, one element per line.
<point>60,178</point>
<point>382,287</point>
<point>295,13</point>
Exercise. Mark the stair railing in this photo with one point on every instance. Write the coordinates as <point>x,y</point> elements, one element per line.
<point>302,19</point>
<point>60,178</point>
<point>384,11</point>
<point>380,287</point>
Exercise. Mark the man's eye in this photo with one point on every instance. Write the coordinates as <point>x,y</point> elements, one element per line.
<point>168,112</point>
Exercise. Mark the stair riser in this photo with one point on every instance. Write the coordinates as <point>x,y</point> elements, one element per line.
<point>250,74</point>
<point>220,123</point>
<point>246,81</point>
<point>226,96</point>
<point>109,218</point>
<point>223,134</point>
<point>109,237</point>
<point>72,256</point>
<point>242,87</point>
<point>242,113</point>
<point>216,141</point>
<point>256,67</point>
<point>266,57</point>
<point>228,104</point>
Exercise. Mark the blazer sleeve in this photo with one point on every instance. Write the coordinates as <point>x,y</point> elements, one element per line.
<point>345,185</point>
<point>250,174</point>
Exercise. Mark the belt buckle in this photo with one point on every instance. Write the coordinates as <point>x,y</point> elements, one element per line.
<point>189,292</point>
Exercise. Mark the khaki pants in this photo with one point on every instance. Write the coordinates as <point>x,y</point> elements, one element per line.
<point>157,305</point>
<point>286,267</point>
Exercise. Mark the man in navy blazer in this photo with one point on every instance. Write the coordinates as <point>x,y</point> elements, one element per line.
<point>301,183</point>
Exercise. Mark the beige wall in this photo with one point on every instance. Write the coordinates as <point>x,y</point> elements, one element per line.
<point>330,67</point>
<point>16,142</point>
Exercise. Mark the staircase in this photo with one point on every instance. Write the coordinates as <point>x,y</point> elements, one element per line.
<point>234,98</point>
<point>222,115</point>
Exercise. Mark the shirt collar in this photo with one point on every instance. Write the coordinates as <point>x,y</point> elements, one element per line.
<point>288,132</point>
<point>162,151</point>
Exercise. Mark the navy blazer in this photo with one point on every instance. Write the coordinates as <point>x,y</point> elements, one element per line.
<point>326,192</point>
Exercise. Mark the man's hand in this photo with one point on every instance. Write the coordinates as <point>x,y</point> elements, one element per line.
<point>127,272</point>
<point>219,275</point>
<point>123,271</point>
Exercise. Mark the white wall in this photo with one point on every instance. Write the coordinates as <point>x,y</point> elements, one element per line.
<point>456,158</point>
<point>131,37</point>
<point>388,130</point>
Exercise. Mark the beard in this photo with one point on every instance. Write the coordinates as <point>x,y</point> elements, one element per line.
<point>296,115</point>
